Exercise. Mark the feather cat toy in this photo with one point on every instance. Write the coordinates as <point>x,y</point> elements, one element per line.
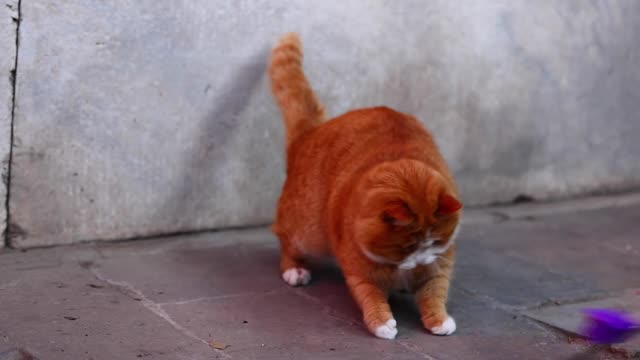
<point>608,326</point>
<point>604,327</point>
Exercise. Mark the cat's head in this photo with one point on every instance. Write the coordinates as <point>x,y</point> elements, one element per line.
<point>408,214</point>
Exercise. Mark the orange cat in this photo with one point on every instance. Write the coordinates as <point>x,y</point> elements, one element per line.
<point>370,188</point>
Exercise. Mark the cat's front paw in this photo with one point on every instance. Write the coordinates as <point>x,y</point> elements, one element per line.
<point>447,327</point>
<point>296,276</point>
<point>387,331</point>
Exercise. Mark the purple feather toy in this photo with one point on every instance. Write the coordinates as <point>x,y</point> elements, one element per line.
<point>604,327</point>
<point>609,326</point>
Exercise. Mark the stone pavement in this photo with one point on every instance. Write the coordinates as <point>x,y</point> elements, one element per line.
<point>173,298</point>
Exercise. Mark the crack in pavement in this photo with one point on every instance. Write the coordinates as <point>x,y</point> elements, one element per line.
<point>132,292</point>
<point>222,297</point>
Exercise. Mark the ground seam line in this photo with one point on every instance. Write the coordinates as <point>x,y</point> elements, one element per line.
<point>132,292</point>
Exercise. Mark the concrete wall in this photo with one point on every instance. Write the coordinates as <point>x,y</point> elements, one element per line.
<point>146,117</point>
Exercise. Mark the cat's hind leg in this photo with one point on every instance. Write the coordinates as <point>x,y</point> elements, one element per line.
<point>295,271</point>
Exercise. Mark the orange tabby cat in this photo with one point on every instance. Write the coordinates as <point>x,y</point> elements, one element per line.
<point>370,188</point>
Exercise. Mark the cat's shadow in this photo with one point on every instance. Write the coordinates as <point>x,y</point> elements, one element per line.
<point>186,200</point>
<point>329,286</point>
<point>405,311</point>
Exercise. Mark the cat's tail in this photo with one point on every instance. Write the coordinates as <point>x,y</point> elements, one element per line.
<point>300,107</point>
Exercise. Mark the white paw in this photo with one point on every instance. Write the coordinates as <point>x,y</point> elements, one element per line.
<point>388,330</point>
<point>296,276</point>
<point>447,327</point>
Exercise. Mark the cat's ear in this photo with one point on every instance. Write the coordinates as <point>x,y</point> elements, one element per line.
<point>448,204</point>
<point>398,213</point>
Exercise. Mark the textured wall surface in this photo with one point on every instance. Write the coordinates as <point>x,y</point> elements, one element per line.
<point>151,117</point>
<point>8,13</point>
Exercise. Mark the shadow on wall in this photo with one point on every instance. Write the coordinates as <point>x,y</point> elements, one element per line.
<point>208,147</point>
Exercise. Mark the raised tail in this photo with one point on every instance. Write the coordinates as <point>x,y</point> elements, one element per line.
<point>299,105</point>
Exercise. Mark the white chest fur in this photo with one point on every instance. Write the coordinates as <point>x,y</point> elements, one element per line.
<point>426,254</point>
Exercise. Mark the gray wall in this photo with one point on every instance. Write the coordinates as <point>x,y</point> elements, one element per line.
<point>151,117</point>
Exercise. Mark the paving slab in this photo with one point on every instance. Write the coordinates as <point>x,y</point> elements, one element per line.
<point>595,246</point>
<point>170,298</point>
<point>208,272</point>
<point>484,330</point>
<point>515,281</point>
<point>63,312</point>
<point>283,325</point>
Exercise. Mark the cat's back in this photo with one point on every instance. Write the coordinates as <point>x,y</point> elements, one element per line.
<point>384,122</point>
<point>358,135</point>
<point>325,163</point>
